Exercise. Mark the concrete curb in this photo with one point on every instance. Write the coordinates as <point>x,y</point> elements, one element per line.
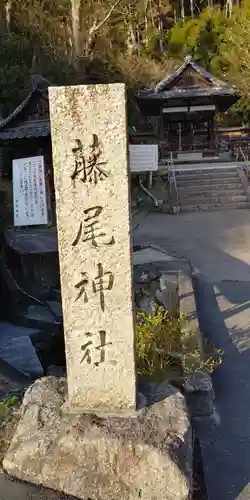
<point>187,305</point>
<point>198,386</point>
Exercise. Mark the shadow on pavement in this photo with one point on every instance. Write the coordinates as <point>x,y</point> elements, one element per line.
<point>226,449</point>
<point>217,245</point>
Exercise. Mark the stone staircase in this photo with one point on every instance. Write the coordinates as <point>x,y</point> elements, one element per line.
<point>18,351</point>
<point>211,189</point>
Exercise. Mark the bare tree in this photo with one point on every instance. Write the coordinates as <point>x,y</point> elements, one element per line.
<point>182,10</point>
<point>192,8</point>
<point>97,26</point>
<point>229,8</point>
<point>75,17</point>
<point>8,7</point>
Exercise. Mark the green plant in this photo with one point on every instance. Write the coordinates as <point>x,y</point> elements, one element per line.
<point>158,340</point>
<point>8,403</point>
<point>161,341</point>
<point>192,362</point>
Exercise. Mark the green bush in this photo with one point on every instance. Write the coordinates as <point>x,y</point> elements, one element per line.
<point>162,343</point>
<point>158,340</point>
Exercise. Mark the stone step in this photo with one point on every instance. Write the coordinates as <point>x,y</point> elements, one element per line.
<point>207,181</point>
<point>202,177</point>
<point>39,317</point>
<point>11,331</point>
<point>206,184</point>
<point>20,353</point>
<point>56,309</point>
<point>211,198</point>
<point>213,206</point>
<point>210,171</point>
<point>210,191</point>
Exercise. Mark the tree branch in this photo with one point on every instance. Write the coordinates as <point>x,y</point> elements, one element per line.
<point>97,27</point>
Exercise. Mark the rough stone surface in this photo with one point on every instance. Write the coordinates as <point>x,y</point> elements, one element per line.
<point>199,394</point>
<point>148,456</point>
<point>148,305</point>
<point>168,293</point>
<point>89,140</point>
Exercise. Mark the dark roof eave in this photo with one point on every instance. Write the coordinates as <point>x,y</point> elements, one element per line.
<point>37,89</point>
<point>6,137</point>
<point>23,132</point>
<point>192,93</point>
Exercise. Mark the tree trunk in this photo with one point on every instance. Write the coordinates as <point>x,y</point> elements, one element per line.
<point>8,7</point>
<point>229,8</point>
<point>138,40</point>
<point>182,10</point>
<point>160,28</point>
<point>145,41</point>
<point>97,27</point>
<point>75,16</point>
<point>192,8</point>
<point>131,39</point>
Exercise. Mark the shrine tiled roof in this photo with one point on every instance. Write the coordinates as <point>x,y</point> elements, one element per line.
<point>188,92</point>
<point>14,127</point>
<point>26,130</point>
<point>166,89</point>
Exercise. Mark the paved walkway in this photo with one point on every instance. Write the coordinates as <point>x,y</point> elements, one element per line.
<point>218,245</point>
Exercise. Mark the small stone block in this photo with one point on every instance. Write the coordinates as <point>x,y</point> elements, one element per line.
<point>199,394</point>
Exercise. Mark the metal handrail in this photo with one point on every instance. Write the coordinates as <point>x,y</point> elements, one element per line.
<point>243,155</point>
<point>246,161</point>
<point>172,180</point>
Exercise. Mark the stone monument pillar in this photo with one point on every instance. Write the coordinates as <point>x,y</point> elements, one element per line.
<point>89,142</point>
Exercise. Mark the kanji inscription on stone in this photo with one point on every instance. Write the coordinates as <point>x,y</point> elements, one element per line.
<point>90,165</point>
<point>102,282</point>
<point>89,348</point>
<point>90,229</point>
<point>89,144</point>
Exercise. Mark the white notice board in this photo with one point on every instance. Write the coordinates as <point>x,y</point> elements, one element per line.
<point>29,192</point>
<point>143,157</point>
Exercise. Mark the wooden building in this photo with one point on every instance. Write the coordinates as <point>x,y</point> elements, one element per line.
<point>26,133</point>
<point>28,254</point>
<point>183,108</point>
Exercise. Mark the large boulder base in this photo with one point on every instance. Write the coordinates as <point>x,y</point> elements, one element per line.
<point>147,456</point>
